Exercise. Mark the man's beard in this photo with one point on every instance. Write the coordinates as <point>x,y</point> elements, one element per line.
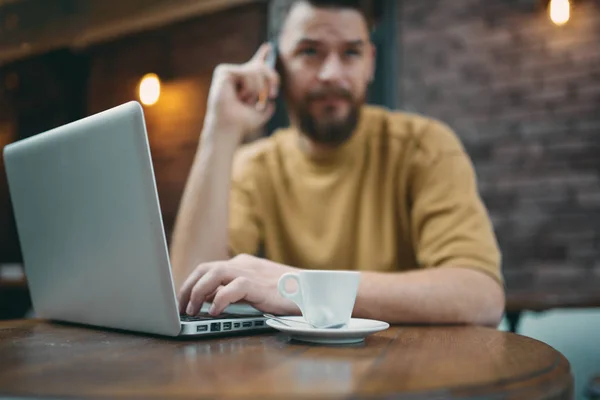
<point>328,130</point>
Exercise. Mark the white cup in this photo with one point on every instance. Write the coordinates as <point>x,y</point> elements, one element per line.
<point>325,298</point>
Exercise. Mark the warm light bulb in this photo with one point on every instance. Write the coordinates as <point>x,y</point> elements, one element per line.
<point>559,11</point>
<point>149,89</point>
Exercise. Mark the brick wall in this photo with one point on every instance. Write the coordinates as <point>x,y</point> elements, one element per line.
<point>524,96</point>
<point>184,56</point>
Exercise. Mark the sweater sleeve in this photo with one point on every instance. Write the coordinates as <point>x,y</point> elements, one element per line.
<point>449,222</point>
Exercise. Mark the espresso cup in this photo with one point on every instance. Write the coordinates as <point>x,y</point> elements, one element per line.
<point>325,298</point>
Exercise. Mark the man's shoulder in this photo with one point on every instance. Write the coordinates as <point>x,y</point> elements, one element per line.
<point>426,135</point>
<point>254,155</point>
<point>254,151</point>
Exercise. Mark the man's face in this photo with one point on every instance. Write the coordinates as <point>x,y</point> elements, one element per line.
<point>327,63</point>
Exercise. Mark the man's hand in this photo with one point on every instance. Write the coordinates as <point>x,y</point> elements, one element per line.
<point>242,279</point>
<point>233,100</point>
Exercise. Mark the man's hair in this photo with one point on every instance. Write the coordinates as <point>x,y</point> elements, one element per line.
<point>356,4</point>
<point>362,6</point>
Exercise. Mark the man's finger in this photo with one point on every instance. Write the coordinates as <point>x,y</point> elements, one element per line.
<point>235,291</point>
<point>211,297</point>
<point>268,112</point>
<point>263,94</point>
<point>274,82</point>
<point>270,87</point>
<point>207,284</point>
<point>248,80</point>
<point>249,100</point>
<point>261,54</point>
<point>183,296</point>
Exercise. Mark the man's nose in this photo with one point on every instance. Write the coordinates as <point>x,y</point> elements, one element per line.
<point>331,69</point>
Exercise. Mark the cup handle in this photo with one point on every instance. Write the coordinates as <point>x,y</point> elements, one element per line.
<point>296,297</point>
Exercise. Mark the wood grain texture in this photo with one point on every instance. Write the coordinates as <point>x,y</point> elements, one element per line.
<point>43,359</point>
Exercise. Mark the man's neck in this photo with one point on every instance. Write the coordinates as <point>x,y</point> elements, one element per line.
<point>314,150</point>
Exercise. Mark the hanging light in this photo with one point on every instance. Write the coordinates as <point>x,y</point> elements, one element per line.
<point>560,11</point>
<point>149,89</point>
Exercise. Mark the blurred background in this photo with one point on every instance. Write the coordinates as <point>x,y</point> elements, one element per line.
<point>518,80</point>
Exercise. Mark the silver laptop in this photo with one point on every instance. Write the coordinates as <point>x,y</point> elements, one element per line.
<point>91,232</point>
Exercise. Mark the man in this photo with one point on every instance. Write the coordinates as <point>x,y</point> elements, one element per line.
<point>347,186</point>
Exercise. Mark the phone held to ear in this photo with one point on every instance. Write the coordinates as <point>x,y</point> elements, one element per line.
<point>273,54</point>
<point>271,62</point>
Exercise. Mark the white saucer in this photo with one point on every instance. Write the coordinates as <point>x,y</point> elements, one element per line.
<point>355,332</point>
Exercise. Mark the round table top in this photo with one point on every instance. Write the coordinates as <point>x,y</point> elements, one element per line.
<point>38,358</point>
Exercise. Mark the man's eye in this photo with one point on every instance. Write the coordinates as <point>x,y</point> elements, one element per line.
<point>309,51</point>
<point>352,52</point>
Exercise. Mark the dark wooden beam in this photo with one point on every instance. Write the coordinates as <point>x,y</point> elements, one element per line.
<point>40,26</point>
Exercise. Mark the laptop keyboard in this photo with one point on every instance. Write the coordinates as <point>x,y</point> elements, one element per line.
<point>206,316</point>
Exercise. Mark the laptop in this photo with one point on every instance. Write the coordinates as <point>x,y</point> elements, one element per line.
<point>89,223</point>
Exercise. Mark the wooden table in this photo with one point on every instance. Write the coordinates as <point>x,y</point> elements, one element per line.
<point>42,359</point>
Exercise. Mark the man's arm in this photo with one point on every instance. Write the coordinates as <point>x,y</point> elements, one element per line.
<point>201,232</point>
<point>443,295</point>
<point>459,278</point>
<point>431,296</point>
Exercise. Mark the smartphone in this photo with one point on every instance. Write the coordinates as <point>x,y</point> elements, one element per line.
<point>274,55</point>
<point>280,117</point>
<point>271,62</point>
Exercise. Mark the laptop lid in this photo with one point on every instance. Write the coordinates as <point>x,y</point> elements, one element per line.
<point>89,223</point>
